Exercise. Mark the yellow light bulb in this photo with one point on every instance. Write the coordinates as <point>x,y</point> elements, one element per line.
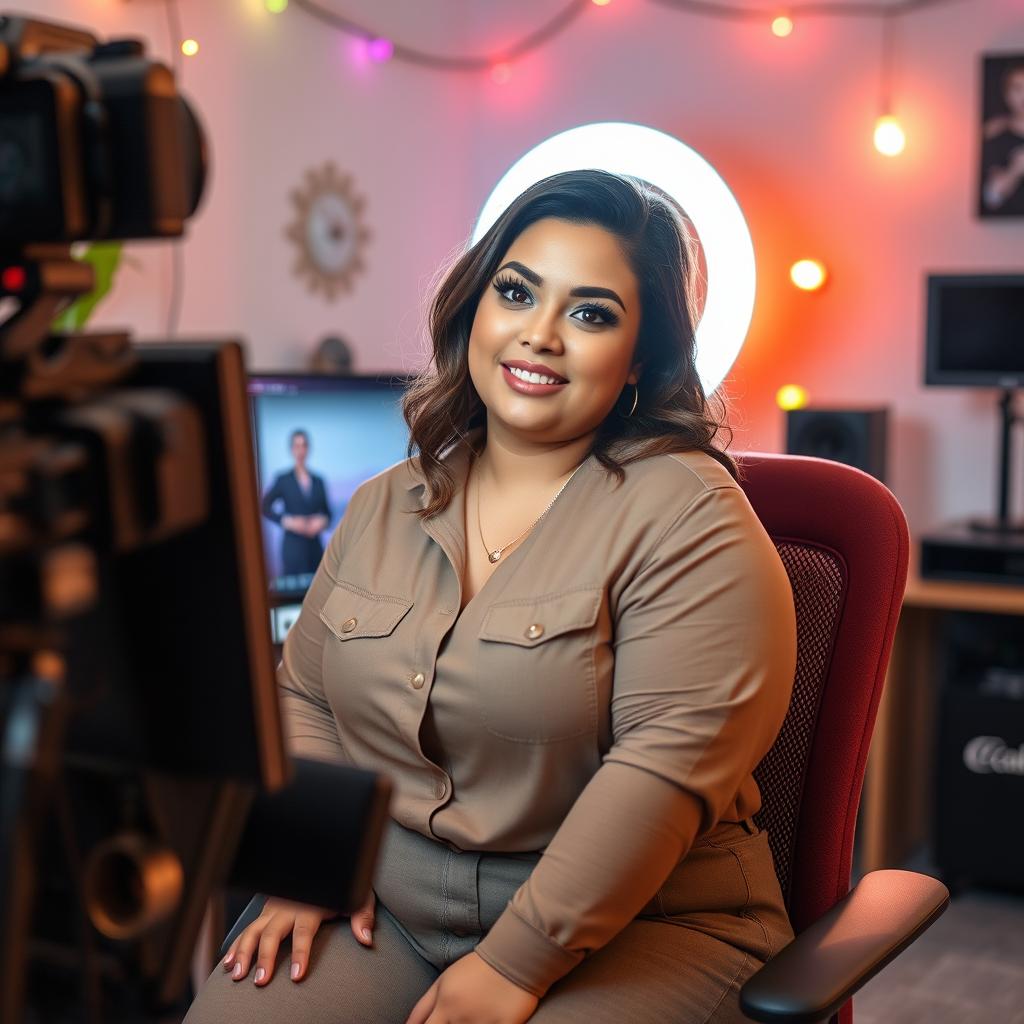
<point>890,139</point>
<point>782,26</point>
<point>190,47</point>
<point>808,274</point>
<point>791,396</point>
<point>275,6</point>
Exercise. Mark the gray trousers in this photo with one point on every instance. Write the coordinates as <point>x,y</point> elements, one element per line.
<point>682,960</point>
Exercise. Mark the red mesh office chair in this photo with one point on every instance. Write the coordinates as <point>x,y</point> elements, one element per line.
<point>843,539</point>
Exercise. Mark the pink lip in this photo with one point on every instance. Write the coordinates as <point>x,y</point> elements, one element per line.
<point>522,364</point>
<point>524,387</point>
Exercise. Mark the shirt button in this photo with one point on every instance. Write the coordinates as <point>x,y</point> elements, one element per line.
<point>348,625</point>
<point>534,631</point>
<point>418,680</point>
<point>441,787</point>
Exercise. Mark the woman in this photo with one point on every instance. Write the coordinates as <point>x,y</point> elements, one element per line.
<point>297,502</point>
<point>564,634</point>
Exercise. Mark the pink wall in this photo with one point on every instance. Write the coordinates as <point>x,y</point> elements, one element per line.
<point>787,123</point>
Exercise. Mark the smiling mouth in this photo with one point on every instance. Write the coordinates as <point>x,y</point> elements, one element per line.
<point>533,378</point>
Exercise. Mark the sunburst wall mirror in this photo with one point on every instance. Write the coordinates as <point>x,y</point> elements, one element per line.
<point>328,231</point>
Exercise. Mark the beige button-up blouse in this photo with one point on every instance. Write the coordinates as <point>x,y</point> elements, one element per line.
<point>604,697</point>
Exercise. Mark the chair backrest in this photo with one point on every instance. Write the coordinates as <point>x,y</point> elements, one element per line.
<point>843,539</point>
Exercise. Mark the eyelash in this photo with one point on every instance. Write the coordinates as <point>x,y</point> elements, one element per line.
<point>504,284</point>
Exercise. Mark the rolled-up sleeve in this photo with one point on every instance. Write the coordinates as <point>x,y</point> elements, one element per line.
<point>705,654</point>
<point>310,728</point>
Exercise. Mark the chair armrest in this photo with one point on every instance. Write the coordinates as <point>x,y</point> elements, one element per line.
<point>246,918</point>
<point>824,965</point>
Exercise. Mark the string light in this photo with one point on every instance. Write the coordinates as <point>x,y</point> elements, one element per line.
<point>808,275</point>
<point>573,9</point>
<point>889,136</point>
<point>791,396</point>
<point>890,139</point>
<point>380,49</point>
<point>189,47</point>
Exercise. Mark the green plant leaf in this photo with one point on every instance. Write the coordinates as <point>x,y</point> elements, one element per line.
<point>105,258</point>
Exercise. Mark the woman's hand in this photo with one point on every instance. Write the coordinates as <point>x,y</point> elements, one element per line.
<point>471,991</point>
<point>278,919</point>
<point>316,524</point>
<point>295,524</point>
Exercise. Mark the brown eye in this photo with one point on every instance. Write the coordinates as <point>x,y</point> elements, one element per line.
<point>512,291</point>
<point>605,316</point>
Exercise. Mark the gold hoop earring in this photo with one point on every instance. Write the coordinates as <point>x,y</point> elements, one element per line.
<point>636,398</point>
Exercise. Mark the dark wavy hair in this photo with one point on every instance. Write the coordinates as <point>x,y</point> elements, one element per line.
<point>673,414</point>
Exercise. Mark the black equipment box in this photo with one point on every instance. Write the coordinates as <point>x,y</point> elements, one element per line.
<point>959,553</point>
<point>979,791</point>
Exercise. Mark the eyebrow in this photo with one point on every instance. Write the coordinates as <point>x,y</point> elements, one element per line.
<point>583,292</point>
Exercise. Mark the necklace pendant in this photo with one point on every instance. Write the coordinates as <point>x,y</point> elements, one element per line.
<point>493,556</point>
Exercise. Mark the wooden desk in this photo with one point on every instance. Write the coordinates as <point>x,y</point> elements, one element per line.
<point>898,789</point>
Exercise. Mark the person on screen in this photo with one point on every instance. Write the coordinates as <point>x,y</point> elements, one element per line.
<point>565,635</point>
<point>297,502</point>
<point>1003,149</point>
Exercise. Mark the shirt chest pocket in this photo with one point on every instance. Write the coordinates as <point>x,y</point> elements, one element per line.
<point>363,656</point>
<point>352,613</point>
<point>535,666</point>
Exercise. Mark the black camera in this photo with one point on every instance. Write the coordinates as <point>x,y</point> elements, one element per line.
<point>95,141</point>
<point>143,766</point>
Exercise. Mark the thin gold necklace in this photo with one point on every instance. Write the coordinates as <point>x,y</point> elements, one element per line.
<point>494,554</point>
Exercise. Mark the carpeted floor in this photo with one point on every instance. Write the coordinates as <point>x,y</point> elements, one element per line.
<point>968,968</point>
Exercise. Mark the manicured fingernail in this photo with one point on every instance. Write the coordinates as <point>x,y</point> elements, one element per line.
<point>296,969</point>
<point>237,972</point>
<point>365,934</point>
<point>260,975</point>
<point>228,959</point>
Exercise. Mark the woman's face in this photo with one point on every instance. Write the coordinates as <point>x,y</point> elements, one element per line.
<point>1014,92</point>
<point>300,449</point>
<point>564,304</point>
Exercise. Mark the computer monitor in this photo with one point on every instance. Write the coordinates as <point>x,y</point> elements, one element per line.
<point>344,430</point>
<point>975,330</point>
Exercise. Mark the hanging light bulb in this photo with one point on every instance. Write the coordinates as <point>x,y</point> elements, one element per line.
<point>501,72</point>
<point>189,47</point>
<point>791,396</point>
<point>809,275</point>
<point>601,3</point>
<point>782,26</point>
<point>275,6</point>
<point>890,139</point>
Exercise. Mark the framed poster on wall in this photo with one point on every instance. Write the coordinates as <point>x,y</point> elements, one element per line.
<point>1001,178</point>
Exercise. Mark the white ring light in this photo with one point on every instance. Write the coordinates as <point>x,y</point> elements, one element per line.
<point>647,153</point>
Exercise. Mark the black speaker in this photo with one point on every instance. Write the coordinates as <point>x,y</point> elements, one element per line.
<point>856,437</point>
<point>979,770</point>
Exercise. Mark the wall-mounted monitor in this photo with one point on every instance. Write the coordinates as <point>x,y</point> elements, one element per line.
<point>975,330</point>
